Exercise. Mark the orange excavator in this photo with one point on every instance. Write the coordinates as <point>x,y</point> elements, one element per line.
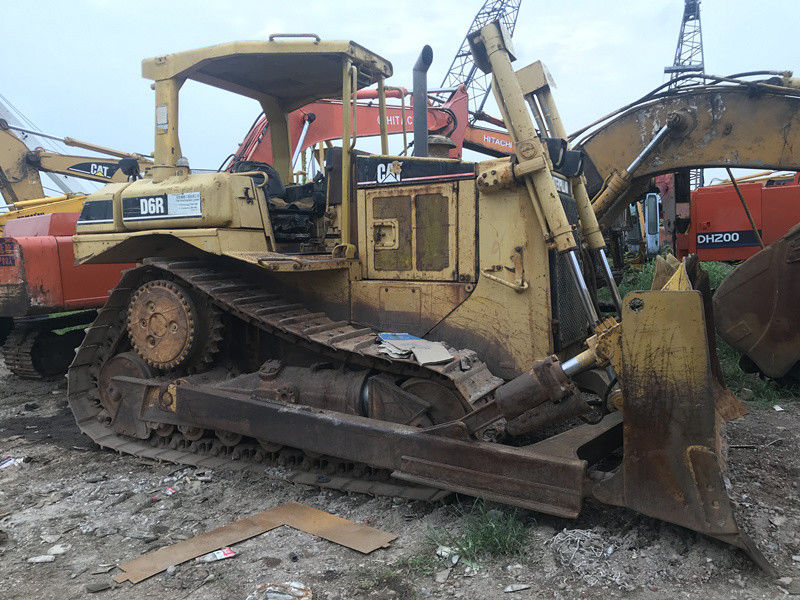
<point>320,123</point>
<point>44,296</point>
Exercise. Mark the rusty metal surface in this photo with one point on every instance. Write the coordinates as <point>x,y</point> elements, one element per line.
<point>544,382</point>
<point>358,537</point>
<point>670,468</point>
<point>125,363</point>
<point>161,323</point>
<point>755,306</point>
<point>548,414</point>
<point>444,456</point>
<point>150,564</point>
<point>323,386</point>
<point>517,476</point>
<point>268,314</point>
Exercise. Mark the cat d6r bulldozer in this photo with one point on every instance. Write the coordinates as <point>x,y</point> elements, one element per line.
<point>404,325</point>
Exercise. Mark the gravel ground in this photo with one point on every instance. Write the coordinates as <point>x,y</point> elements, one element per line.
<point>92,509</point>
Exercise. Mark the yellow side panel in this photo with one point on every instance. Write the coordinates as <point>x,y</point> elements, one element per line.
<point>508,329</point>
<point>405,306</point>
<point>134,246</point>
<point>411,232</point>
<point>45,207</point>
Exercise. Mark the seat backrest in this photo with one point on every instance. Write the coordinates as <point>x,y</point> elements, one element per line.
<point>275,187</point>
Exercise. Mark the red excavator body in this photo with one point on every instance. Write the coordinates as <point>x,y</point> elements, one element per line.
<point>720,229</point>
<point>45,300</point>
<point>38,273</point>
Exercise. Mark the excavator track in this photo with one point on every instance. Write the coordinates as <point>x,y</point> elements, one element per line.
<point>275,315</point>
<point>33,349</point>
<point>17,352</point>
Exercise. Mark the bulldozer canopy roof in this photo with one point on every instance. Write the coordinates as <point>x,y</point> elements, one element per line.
<point>292,72</point>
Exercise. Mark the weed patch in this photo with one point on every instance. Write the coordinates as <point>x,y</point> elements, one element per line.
<point>485,532</point>
<point>423,563</point>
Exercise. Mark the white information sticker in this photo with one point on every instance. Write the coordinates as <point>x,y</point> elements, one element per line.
<point>162,206</point>
<point>162,121</point>
<point>186,204</point>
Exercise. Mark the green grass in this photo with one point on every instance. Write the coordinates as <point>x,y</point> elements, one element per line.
<point>484,532</point>
<point>637,279</point>
<point>422,563</point>
<point>717,271</point>
<point>766,392</point>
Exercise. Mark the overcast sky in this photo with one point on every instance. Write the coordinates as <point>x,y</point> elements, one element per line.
<point>74,68</point>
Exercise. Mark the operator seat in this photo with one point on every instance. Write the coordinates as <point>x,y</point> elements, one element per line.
<point>274,188</point>
<point>293,209</point>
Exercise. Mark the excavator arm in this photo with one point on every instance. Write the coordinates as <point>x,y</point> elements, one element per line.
<point>731,123</point>
<point>90,168</point>
<point>20,166</point>
<point>322,122</point>
<point>17,180</point>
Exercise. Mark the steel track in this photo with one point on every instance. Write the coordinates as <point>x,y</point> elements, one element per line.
<point>17,352</point>
<point>239,296</point>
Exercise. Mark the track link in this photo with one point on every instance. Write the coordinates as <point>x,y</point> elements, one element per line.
<point>277,316</point>
<point>17,352</point>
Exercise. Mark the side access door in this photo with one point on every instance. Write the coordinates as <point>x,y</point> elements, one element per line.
<point>417,241</point>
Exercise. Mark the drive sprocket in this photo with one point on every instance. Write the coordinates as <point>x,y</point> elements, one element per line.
<point>168,328</point>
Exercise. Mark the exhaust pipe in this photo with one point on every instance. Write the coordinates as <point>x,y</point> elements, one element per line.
<point>421,101</point>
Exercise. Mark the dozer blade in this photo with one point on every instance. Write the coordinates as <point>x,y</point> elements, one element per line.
<point>674,405</point>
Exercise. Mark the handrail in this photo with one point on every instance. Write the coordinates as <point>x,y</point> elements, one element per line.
<point>517,286</point>
<point>294,35</point>
<point>402,113</point>
<point>251,173</point>
<point>352,108</point>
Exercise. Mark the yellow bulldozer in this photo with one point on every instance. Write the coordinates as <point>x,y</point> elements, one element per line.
<point>404,325</point>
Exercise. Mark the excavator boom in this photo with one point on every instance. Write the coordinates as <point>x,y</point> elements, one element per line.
<point>734,123</point>
<point>321,121</point>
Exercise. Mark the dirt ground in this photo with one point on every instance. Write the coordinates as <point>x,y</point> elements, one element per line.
<point>97,507</point>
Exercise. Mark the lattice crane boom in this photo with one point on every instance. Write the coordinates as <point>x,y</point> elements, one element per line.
<point>688,59</point>
<point>463,70</point>
<point>689,51</point>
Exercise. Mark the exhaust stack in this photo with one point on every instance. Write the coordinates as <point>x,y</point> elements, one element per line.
<point>421,101</point>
